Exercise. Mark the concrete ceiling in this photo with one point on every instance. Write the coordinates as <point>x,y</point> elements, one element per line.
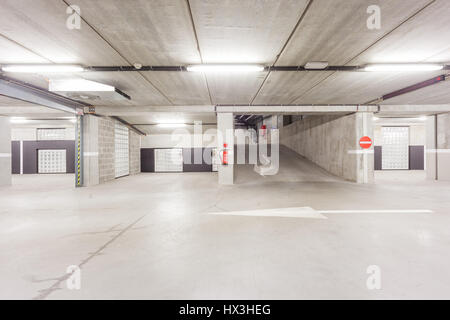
<point>280,32</point>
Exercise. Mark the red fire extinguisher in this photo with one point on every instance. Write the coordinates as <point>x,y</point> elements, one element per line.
<point>263,130</point>
<point>224,152</point>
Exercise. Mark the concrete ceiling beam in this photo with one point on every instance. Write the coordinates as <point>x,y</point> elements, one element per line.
<point>288,109</point>
<point>143,110</point>
<point>21,91</point>
<point>414,109</point>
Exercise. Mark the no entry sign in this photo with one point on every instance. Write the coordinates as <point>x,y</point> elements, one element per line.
<point>365,142</point>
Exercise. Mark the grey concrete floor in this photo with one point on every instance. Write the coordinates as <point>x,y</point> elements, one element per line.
<point>150,237</point>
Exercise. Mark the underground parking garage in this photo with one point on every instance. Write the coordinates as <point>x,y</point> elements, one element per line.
<point>224,150</point>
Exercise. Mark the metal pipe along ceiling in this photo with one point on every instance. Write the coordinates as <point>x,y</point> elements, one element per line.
<point>184,68</point>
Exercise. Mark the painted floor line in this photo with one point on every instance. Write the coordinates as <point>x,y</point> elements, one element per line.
<point>296,212</point>
<point>377,211</point>
<point>308,212</point>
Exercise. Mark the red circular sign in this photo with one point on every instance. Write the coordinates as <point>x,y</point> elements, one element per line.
<point>365,142</point>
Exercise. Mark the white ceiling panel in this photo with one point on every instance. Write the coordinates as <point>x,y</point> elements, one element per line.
<point>40,25</point>
<point>131,83</point>
<point>333,31</point>
<point>11,52</point>
<point>160,32</point>
<point>336,31</point>
<point>157,32</point>
<point>250,31</point>
<point>182,88</point>
<point>360,87</point>
<point>236,88</point>
<point>286,87</point>
<point>419,39</point>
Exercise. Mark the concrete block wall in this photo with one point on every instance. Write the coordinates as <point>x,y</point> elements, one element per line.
<point>106,149</point>
<point>135,152</point>
<point>330,141</point>
<point>99,150</point>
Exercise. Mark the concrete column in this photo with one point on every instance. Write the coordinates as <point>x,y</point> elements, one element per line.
<point>5,152</point>
<point>438,147</point>
<point>443,146</point>
<point>430,148</point>
<point>225,134</point>
<point>365,159</point>
<point>90,150</point>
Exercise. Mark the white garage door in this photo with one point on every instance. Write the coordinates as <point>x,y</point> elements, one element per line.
<point>395,148</point>
<point>51,161</point>
<point>122,150</point>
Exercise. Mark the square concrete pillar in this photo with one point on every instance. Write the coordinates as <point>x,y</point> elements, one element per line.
<point>5,152</point>
<point>438,147</point>
<point>90,151</point>
<point>364,159</point>
<point>430,148</point>
<point>225,134</point>
<point>443,146</point>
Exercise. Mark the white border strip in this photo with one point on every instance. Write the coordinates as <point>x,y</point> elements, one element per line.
<point>377,211</point>
<point>296,212</point>
<point>438,151</point>
<point>90,154</point>
<point>360,151</point>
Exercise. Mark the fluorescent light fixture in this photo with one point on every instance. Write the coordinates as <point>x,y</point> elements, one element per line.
<point>405,67</point>
<point>171,125</point>
<point>422,118</point>
<point>42,68</point>
<point>18,120</point>
<point>375,118</point>
<point>316,65</point>
<point>78,85</point>
<point>225,68</point>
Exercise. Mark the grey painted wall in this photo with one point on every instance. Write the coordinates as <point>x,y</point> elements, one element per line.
<point>30,153</point>
<point>147,160</point>
<point>15,157</point>
<point>378,157</point>
<point>188,160</point>
<point>416,157</point>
